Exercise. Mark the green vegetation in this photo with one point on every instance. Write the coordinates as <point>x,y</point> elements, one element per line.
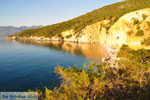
<point>140,33</point>
<point>146,41</point>
<point>111,12</point>
<point>40,93</point>
<point>148,23</point>
<point>136,21</point>
<point>130,81</point>
<point>140,56</point>
<point>144,16</point>
<point>138,27</point>
<point>130,32</point>
<point>69,36</point>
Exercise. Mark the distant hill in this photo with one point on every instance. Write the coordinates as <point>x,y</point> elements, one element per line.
<point>9,30</point>
<point>113,12</point>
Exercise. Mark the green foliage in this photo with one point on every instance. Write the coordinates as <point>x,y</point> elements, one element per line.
<point>148,23</point>
<point>144,16</point>
<point>146,41</point>
<point>40,93</point>
<point>141,56</point>
<point>140,33</point>
<point>136,21</point>
<point>138,27</point>
<point>130,32</point>
<point>130,81</point>
<point>68,36</point>
<point>112,12</point>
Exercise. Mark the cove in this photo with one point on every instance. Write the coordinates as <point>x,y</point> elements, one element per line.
<point>28,65</point>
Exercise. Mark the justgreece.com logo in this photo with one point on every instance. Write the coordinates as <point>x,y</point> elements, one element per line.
<point>18,96</point>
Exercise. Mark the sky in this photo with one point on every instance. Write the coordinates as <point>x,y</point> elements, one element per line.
<point>45,12</point>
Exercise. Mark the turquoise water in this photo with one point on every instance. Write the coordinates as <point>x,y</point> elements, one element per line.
<point>28,65</point>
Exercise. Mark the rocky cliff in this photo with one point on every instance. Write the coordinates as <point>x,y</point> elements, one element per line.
<point>130,29</point>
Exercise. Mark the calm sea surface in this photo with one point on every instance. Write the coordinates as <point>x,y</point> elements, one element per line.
<point>28,65</point>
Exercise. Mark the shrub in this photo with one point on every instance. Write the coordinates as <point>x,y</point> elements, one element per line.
<point>140,33</point>
<point>130,32</point>
<point>144,16</point>
<point>130,81</point>
<point>136,21</point>
<point>138,27</point>
<point>148,23</point>
<point>68,36</point>
<point>146,41</point>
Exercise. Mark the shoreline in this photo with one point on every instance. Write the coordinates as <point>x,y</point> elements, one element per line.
<point>111,51</point>
<point>48,39</point>
<point>112,55</point>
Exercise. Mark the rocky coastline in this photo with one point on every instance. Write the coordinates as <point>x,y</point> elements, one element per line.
<point>111,50</point>
<point>72,39</point>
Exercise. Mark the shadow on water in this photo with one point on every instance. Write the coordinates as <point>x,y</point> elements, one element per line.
<point>30,64</point>
<point>92,51</point>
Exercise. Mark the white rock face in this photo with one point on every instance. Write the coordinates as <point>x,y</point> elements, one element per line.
<point>118,33</point>
<point>92,33</point>
<point>122,32</point>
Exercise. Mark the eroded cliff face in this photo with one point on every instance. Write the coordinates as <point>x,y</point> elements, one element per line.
<point>130,29</point>
<point>94,33</point>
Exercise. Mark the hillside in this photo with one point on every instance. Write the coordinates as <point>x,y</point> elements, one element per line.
<point>96,26</point>
<point>124,73</point>
<point>9,30</point>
